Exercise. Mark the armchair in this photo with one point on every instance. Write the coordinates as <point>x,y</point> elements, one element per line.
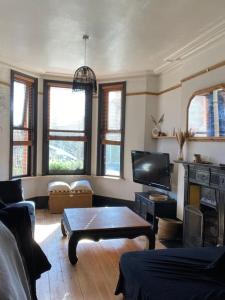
<point>11,195</point>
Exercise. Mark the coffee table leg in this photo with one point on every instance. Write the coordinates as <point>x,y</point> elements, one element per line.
<point>63,228</point>
<point>72,249</point>
<point>150,240</point>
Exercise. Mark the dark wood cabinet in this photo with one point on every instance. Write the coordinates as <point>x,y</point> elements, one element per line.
<point>150,210</point>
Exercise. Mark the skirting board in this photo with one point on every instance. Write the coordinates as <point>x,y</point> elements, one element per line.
<point>108,201</point>
<point>97,201</point>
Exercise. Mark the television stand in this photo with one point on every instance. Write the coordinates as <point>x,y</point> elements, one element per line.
<point>151,210</point>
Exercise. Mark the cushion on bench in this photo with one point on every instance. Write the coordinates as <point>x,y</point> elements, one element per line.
<point>58,186</point>
<point>81,186</point>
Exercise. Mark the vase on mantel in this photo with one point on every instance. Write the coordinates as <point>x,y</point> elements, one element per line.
<point>181,137</point>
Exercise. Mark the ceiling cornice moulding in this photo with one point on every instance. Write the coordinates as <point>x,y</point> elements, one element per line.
<point>196,46</point>
<point>119,76</point>
<point>168,67</point>
<point>18,68</point>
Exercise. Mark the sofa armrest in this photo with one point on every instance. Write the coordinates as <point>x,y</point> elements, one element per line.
<point>31,209</point>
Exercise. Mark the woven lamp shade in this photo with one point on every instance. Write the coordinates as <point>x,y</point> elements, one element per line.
<point>84,78</point>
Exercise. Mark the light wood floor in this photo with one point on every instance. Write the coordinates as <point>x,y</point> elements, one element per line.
<point>96,273</point>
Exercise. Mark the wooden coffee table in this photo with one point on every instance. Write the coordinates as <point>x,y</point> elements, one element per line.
<point>102,223</point>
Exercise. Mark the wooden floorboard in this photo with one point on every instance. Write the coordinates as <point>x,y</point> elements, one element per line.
<point>95,275</point>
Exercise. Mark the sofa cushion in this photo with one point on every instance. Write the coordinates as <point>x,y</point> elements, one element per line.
<point>217,266</point>
<point>11,191</point>
<point>31,209</point>
<point>2,204</point>
<point>29,204</point>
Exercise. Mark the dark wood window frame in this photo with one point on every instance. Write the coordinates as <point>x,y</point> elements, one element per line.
<point>31,127</point>
<point>86,139</point>
<point>101,127</point>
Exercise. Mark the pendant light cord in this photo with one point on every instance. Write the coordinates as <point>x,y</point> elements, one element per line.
<point>85,52</point>
<point>85,37</point>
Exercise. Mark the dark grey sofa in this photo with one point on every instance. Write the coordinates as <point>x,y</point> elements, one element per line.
<point>181,274</point>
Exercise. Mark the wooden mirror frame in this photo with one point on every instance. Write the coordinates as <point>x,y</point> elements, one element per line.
<point>202,92</point>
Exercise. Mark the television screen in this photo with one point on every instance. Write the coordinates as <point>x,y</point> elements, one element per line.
<point>151,169</point>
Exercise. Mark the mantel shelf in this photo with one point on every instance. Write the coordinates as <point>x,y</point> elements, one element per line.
<point>207,139</point>
<point>201,164</point>
<point>163,137</point>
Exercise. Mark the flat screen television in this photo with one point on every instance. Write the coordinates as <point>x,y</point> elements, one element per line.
<point>151,168</point>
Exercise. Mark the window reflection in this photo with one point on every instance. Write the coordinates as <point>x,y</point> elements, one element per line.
<point>206,114</point>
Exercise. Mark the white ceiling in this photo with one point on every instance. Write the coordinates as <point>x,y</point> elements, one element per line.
<point>126,36</point>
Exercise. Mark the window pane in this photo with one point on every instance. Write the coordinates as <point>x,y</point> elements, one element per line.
<point>20,135</point>
<point>19,95</point>
<point>199,112</point>
<point>113,137</point>
<point>114,110</point>
<point>67,109</point>
<point>112,160</point>
<point>66,155</point>
<point>20,160</point>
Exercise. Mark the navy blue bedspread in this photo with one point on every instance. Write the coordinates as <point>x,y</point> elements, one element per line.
<point>173,274</point>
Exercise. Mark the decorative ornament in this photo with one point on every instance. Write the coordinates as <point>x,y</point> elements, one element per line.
<point>157,128</point>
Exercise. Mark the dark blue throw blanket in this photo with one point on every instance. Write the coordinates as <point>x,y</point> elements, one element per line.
<point>18,221</point>
<point>173,274</point>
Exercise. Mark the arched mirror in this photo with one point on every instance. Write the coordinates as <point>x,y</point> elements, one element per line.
<point>206,113</point>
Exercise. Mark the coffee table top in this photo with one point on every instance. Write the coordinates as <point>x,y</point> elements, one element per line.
<point>98,218</point>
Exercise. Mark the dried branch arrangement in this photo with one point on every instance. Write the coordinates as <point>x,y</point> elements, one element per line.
<point>181,137</point>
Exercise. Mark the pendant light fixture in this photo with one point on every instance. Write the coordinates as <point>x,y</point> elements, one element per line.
<point>84,77</point>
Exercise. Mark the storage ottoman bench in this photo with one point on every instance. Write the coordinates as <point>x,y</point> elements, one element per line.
<point>63,195</point>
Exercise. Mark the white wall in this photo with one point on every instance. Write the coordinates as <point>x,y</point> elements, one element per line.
<point>4,121</point>
<point>174,105</point>
<point>170,104</point>
<point>137,136</point>
<point>39,126</point>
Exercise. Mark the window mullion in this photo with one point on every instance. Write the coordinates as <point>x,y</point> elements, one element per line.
<point>111,142</point>
<point>22,143</point>
<point>67,138</point>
